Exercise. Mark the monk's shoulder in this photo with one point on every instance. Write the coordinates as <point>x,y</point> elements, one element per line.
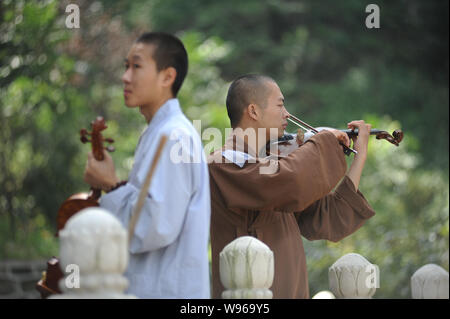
<point>215,157</point>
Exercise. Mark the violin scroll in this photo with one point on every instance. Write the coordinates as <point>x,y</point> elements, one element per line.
<point>96,138</point>
<point>395,138</point>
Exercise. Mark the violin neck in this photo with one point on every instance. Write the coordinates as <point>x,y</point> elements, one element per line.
<point>351,133</point>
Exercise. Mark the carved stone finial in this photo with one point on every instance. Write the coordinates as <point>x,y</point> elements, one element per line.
<point>430,282</point>
<point>353,277</point>
<point>246,269</point>
<point>93,256</point>
<point>324,294</point>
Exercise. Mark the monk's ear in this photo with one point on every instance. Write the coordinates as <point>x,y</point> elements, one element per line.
<point>253,111</point>
<point>168,76</point>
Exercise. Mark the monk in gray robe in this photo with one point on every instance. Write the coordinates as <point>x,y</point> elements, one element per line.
<point>280,201</point>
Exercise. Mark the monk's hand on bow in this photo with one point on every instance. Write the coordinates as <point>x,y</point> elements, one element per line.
<point>361,141</point>
<point>100,174</point>
<point>341,136</point>
<point>300,136</point>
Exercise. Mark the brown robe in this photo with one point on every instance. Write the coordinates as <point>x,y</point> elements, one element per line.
<point>279,208</point>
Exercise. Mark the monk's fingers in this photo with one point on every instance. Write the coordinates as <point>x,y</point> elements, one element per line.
<point>355,124</point>
<point>343,138</point>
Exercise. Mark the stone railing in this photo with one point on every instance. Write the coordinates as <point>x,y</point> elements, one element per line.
<point>18,278</point>
<point>247,271</point>
<point>94,251</point>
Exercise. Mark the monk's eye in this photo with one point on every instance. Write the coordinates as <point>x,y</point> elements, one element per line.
<point>126,66</point>
<point>136,66</point>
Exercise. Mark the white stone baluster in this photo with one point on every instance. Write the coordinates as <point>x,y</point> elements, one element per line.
<point>324,294</point>
<point>353,277</point>
<point>246,269</point>
<point>93,256</point>
<point>430,282</point>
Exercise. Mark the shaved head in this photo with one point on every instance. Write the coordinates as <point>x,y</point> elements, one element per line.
<point>246,89</point>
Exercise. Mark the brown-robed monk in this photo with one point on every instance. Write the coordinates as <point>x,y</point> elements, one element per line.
<point>295,199</point>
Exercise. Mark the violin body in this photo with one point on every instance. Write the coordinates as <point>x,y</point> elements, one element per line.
<point>48,285</point>
<point>285,145</point>
<point>73,205</point>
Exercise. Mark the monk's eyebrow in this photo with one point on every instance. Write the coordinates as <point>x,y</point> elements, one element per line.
<point>134,57</point>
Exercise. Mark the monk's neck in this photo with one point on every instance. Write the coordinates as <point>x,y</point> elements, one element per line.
<point>149,110</point>
<point>249,139</point>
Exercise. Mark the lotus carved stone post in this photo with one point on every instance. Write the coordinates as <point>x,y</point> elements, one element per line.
<point>93,256</point>
<point>353,277</point>
<point>246,269</point>
<point>430,282</point>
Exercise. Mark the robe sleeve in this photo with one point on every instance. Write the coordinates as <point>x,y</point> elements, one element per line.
<point>164,209</point>
<point>335,216</point>
<point>304,176</point>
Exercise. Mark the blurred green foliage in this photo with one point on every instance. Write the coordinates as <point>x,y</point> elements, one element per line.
<point>330,67</point>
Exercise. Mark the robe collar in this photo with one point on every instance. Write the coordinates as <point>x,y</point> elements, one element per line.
<point>239,152</point>
<point>169,108</point>
<point>237,143</point>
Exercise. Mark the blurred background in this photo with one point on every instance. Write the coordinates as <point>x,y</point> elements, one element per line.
<point>330,67</point>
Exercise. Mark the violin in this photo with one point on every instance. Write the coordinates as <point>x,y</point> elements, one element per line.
<point>48,284</point>
<point>289,142</point>
<point>79,201</point>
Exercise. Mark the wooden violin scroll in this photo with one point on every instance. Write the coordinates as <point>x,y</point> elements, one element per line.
<point>395,138</point>
<point>96,138</point>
